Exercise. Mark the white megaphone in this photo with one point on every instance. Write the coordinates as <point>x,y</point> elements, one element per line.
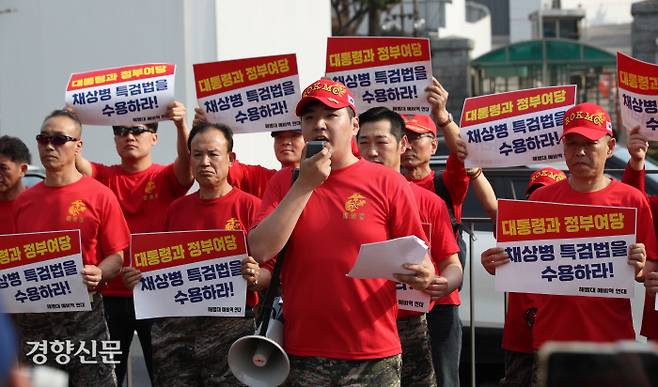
<point>260,361</point>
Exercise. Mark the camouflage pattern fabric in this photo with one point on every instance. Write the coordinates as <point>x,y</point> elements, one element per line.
<point>76,327</point>
<point>520,369</point>
<point>315,371</point>
<point>193,351</point>
<point>417,368</point>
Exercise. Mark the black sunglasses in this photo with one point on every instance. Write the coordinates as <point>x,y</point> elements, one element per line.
<point>135,130</point>
<point>55,139</point>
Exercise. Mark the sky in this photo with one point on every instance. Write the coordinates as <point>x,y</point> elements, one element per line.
<point>602,11</point>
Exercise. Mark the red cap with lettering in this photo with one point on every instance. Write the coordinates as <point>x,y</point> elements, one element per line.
<point>589,120</point>
<point>420,123</point>
<point>544,176</point>
<point>332,94</point>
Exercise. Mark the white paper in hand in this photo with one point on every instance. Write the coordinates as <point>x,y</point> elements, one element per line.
<point>383,259</point>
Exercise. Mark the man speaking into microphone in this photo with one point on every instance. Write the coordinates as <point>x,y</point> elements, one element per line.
<point>339,330</point>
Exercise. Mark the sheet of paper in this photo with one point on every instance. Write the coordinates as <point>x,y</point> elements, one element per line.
<point>383,259</point>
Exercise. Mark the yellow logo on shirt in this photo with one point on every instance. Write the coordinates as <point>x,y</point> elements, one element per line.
<point>149,191</point>
<point>150,187</point>
<point>353,203</point>
<point>76,209</point>
<point>233,224</point>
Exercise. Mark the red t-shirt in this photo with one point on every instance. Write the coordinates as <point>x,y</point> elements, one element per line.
<point>650,316</point>
<point>328,314</point>
<point>250,178</point>
<point>456,180</point>
<point>144,197</point>
<point>517,334</point>
<point>433,211</point>
<point>6,220</point>
<point>234,211</point>
<point>86,205</point>
<point>596,319</point>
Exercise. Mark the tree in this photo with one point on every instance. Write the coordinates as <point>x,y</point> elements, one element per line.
<point>347,15</point>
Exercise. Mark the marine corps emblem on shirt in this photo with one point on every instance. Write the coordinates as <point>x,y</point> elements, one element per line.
<point>353,203</point>
<point>233,224</point>
<point>149,191</point>
<point>76,209</point>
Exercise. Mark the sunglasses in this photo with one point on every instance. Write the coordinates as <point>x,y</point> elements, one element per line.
<point>135,131</point>
<point>413,137</point>
<point>55,139</point>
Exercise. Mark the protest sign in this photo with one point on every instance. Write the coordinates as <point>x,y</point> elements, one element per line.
<point>189,273</point>
<point>409,298</point>
<point>638,94</point>
<point>40,272</point>
<point>565,249</point>
<point>250,95</point>
<point>515,128</point>
<point>382,71</point>
<point>129,96</point>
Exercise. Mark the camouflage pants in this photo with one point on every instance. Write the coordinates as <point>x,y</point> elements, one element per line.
<point>316,371</point>
<point>193,351</point>
<point>520,369</point>
<point>81,329</point>
<point>417,368</point>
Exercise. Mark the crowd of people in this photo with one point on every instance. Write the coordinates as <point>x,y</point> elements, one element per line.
<point>371,182</point>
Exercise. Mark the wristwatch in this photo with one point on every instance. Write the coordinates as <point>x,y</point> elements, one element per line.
<point>447,122</point>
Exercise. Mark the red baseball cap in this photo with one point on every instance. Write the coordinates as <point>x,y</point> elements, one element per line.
<point>420,123</point>
<point>543,177</point>
<point>589,120</point>
<point>332,94</point>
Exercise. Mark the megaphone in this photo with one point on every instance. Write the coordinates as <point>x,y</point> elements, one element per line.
<point>260,361</point>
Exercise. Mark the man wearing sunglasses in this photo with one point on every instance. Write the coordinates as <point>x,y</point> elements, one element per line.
<point>452,185</point>
<point>145,191</point>
<point>67,200</point>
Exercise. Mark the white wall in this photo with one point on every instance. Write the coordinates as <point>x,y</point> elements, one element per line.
<point>43,41</point>
<point>457,25</point>
<point>520,25</point>
<point>291,26</point>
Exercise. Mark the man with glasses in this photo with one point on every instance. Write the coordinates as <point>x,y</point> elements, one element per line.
<point>104,235</point>
<point>145,191</point>
<point>452,185</point>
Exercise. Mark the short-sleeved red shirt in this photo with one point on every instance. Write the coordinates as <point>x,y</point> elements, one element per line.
<point>650,316</point>
<point>234,211</point>
<point>86,205</point>
<point>456,180</point>
<point>144,197</point>
<point>433,211</point>
<point>329,314</point>
<point>6,217</point>
<point>596,319</point>
<point>250,178</point>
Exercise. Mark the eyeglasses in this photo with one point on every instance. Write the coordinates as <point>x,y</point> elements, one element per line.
<point>134,130</point>
<point>55,139</point>
<point>413,137</point>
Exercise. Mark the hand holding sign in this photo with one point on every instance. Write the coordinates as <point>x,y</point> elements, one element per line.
<point>131,276</point>
<point>176,112</point>
<point>637,256</point>
<point>91,276</point>
<point>492,258</point>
